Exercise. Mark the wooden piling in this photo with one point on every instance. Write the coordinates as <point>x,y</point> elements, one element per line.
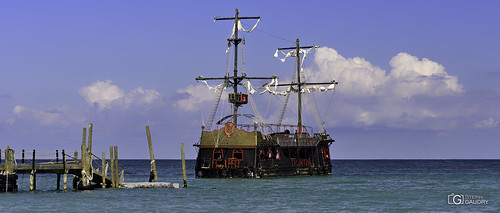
<point>103,170</point>
<point>112,163</point>
<point>83,177</point>
<point>58,175</point>
<point>84,136</point>
<point>9,167</point>
<point>89,146</point>
<point>86,163</point>
<point>7,150</point>
<point>151,155</point>
<point>65,175</point>
<point>183,166</point>
<point>117,182</point>
<point>9,161</point>
<point>22,161</point>
<point>82,158</point>
<point>33,174</point>
<point>75,177</point>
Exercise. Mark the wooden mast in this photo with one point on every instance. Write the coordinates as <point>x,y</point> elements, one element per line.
<point>235,40</point>
<point>236,79</point>
<point>299,84</point>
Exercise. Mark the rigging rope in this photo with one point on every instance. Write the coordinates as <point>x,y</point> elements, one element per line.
<point>272,35</point>
<point>317,118</point>
<point>283,109</point>
<point>329,105</point>
<point>256,112</point>
<point>214,108</point>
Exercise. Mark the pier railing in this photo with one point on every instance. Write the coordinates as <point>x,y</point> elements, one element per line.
<point>88,170</point>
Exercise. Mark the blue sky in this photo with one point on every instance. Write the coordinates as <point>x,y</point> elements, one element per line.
<point>418,79</point>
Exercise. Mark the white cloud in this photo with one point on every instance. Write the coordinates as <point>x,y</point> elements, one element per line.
<point>485,124</point>
<point>63,115</point>
<point>410,76</point>
<point>101,93</point>
<point>106,96</point>
<point>357,76</point>
<point>140,96</point>
<point>194,97</point>
<point>369,95</point>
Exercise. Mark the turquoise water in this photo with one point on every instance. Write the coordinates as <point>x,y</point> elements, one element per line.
<point>355,185</point>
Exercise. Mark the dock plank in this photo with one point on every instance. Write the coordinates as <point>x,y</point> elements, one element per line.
<point>55,168</point>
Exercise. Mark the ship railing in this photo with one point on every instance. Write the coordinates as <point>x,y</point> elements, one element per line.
<point>275,129</point>
<point>288,129</point>
<point>291,140</point>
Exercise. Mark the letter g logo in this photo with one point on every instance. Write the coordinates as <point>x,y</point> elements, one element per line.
<point>458,199</point>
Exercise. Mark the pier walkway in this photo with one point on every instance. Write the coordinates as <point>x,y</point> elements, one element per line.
<point>89,171</point>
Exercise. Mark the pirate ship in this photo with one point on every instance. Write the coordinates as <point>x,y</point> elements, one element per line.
<point>259,149</point>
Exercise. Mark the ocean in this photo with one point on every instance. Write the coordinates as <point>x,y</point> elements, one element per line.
<point>354,186</point>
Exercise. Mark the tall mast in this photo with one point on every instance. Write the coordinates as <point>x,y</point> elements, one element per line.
<point>299,86</point>
<point>236,79</point>
<point>299,83</point>
<point>235,40</point>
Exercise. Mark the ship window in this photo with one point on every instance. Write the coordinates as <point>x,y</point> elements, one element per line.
<point>302,153</point>
<point>217,154</point>
<point>262,154</point>
<point>286,152</point>
<point>238,154</point>
<point>278,157</point>
<point>293,153</point>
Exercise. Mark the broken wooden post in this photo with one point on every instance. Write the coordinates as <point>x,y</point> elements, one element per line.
<point>58,175</point>
<point>117,182</point>
<point>65,176</point>
<point>9,160</point>
<point>112,164</point>
<point>152,156</point>
<point>84,136</point>
<point>86,164</point>
<point>89,146</point>
<point>103,170</point>
<point>75,177</point>
<point>10,183</point>
<point>33,174</point>
<point>82,158</point>
<point>183,166</point>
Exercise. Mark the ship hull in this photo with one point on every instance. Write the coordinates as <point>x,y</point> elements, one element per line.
<point>263,161</point>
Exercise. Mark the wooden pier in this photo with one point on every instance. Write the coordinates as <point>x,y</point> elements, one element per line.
<point>88,170</point>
